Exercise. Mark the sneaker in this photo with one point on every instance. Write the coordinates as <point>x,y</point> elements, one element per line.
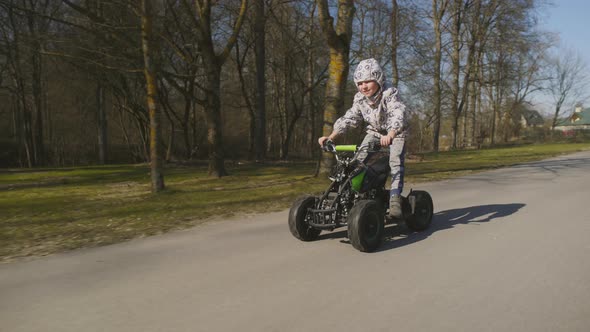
<point>395,206</point>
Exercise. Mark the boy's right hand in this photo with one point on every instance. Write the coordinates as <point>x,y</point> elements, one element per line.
<point>322,140</point>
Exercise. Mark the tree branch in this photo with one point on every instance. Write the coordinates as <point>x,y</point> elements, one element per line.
<point>234,37</point>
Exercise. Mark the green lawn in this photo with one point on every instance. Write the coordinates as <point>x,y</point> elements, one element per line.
<point>51,210</point>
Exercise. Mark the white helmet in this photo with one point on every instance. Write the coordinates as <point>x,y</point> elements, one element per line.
<point>368,70</point>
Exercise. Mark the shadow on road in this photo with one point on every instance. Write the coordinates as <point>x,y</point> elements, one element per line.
<point>399,235</point>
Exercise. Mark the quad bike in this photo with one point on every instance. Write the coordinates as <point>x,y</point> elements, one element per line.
<point>357,199</point>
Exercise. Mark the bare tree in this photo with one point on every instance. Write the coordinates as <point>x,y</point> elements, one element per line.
<point>25,29</point>
<point>459,9</point>
<point>260,47</point>
<point>150,77</point>
<point>181,73</point>
<point>439,8</point>
<point>22,114</point>
<point>526,79</point>
<point>102,41</point>
<point>568,81</point>
<point>101,113</point>
<point>213,62</point>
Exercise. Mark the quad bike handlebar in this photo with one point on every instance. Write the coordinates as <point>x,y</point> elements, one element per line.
<point>330,146</point>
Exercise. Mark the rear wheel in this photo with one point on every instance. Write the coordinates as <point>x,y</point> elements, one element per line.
<point>421,217</point>
<point>365,226</point>
<point>298,224</point>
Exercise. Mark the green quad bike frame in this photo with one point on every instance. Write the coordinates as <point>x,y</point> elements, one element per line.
<point>357,198</point>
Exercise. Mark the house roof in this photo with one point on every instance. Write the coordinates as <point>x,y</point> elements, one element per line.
<point>577,119</point>
<point>533,117</point>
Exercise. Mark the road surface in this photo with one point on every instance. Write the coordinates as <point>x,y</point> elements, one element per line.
<point>509,250</point>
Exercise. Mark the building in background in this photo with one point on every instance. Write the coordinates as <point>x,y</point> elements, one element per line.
<point>531,119</point>
<point>578,121</point>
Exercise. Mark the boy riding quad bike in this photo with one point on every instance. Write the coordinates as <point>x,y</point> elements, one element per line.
<point>379,107</point>
<point>357,198</point>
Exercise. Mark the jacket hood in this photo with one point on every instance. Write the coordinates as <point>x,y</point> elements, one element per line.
<point>369,70</point>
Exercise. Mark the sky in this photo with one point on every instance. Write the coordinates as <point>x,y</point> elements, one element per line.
<point>570,20</point>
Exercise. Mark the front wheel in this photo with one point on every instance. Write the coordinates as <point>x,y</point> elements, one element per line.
<point>298,215</point>
<point>421,216</point>
<point>365,226</point>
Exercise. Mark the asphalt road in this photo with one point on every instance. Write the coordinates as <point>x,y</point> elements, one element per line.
<point>509,250</point>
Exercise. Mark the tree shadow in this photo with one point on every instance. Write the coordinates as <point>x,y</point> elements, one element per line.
<point>556,164</point>
<point>542,171</point>
<point>398,235</point>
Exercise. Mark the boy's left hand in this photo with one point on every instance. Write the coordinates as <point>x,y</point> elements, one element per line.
<point>386,140</point>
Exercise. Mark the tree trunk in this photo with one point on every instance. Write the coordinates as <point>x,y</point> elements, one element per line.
<point>169,148</point>
<point>556,114</point>
<point>157,176</point>
<point>102,124</point>
<point>339,43</point>
<point>499,81</point>
<point>37,90</point>
<point>213,115</point>
<point>312,133</point>
<point>477,133</point>
<point>456,68</point>
<point>33,45</point>
<point>188,94</point>
<point>259,48</point>
<point>472,111</point>
<point>286,108</point>
<point>438,13</point>
<point>240,59</point>
<point>26,119</point>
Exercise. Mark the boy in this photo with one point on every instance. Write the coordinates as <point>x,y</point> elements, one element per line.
<point>378,106</point>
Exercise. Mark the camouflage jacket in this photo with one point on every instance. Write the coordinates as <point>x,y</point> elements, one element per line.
<point>389,114</point>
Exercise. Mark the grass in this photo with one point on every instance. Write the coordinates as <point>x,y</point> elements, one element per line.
<point>52,210</point>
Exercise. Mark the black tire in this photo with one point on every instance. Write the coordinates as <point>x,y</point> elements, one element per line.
<point>365,226</point>
<point>421,218</point>
<point>297,222</point>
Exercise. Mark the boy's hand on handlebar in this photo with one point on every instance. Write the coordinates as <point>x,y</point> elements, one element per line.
<point>327,144</point>
<point>325,139</point>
